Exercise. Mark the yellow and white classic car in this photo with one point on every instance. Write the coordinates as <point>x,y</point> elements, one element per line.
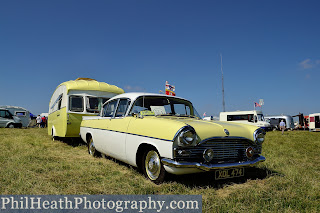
<point>160,133</point>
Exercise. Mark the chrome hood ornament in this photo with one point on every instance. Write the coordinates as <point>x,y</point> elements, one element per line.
<point>227,132</point>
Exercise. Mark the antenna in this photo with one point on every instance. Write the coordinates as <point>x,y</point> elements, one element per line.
<point>223,104</point>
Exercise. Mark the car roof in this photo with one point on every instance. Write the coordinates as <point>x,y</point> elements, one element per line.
<point>13,107</point>
<point>135,95</point>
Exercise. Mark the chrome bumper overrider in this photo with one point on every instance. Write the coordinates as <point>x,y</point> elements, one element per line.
<point>208,167</point>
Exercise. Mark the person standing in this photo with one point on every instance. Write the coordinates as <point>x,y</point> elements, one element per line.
<point>38,119</point>
<point>43,122</point>
<point>282,125</point>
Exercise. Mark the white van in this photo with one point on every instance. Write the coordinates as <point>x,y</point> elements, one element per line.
<point>73,99</point>
<point>21,113</point>
<point>314,122</point>
<point>253,117</point>
<point>276,119</point>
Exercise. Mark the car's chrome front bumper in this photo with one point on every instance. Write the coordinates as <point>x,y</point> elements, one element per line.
<point>208,167</point>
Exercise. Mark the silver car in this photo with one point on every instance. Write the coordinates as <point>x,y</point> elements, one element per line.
<point>8,120</point>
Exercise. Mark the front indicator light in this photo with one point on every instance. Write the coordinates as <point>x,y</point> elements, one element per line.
<point>208,155</point>
<point>249,152</point>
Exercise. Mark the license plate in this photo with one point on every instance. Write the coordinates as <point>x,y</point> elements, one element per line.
<point>229,173</point>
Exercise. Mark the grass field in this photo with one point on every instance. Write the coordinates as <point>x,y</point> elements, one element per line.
<point>288,181</point>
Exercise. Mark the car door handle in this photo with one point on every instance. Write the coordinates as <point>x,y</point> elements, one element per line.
<point>58,115</point>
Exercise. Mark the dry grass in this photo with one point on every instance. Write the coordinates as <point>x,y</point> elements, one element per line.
<point>287,182</point>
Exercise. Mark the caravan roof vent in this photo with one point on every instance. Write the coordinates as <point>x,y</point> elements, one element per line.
<point>87,79</point>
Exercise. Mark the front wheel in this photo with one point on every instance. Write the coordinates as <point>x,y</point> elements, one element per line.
<point>92,149</point>
<point>152,166</point>
<point>10,126</point>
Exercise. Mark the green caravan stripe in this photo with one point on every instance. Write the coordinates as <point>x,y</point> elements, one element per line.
<point>129,133</point>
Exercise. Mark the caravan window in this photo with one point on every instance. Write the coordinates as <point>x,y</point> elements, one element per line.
<point>76,103</point>
<point>57,104</point>
<point>20,113</point>
<point>94,104</point>
<point>245,117</point>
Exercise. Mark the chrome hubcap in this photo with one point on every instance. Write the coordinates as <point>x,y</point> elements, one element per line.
<point>153,165</point>
<point>91,148</point>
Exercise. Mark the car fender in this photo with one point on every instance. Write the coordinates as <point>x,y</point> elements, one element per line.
<point>134,142</point>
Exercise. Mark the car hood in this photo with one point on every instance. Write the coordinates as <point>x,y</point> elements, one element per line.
<point>209,129</point>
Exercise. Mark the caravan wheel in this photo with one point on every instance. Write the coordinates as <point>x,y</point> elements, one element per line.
<point>53,135</point>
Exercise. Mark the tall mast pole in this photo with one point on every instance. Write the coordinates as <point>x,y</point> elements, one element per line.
<point>223,104</point>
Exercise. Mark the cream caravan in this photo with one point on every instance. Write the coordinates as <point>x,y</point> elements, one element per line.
<point>73,99</point>
<point>314,122</point>
<point>252,117</point>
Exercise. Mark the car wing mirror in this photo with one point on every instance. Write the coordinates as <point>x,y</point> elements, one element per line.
<point>136,115</point>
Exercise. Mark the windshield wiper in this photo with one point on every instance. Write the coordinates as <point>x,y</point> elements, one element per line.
<point>188,116</point>
<point>165,115</point>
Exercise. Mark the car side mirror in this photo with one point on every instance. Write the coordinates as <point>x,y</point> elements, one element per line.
<point>134,114</point>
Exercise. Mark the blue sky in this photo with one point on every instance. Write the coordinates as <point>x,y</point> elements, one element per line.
<point>270,50</point>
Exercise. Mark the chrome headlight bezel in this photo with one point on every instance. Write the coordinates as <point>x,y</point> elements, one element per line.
<point>186,136</point>
<point>259,136</point>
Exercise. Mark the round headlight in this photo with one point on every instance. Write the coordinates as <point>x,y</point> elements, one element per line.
<point>186,136</point>
<point>208,155</point>
<point>259,136</point>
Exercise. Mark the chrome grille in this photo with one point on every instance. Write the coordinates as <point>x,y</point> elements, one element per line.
<point>225,150</point>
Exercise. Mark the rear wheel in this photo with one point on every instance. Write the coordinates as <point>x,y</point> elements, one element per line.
<point>92,149</point>
<point>152,166</point>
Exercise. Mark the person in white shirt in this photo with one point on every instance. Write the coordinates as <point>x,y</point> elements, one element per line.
<point>38,119</point>
<point>282,125</point>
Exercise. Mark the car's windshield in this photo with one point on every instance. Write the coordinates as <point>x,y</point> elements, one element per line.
<point>161,105</point>
<point>5,114</point>
<point>260,117</point>
<point>94,104</point>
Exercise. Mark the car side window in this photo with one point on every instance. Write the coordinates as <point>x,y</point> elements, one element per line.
<point>8,115</point>
<point>110,108</point>
<point>5,114</point>
<point>2,113</point>
<point>122,107</point>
